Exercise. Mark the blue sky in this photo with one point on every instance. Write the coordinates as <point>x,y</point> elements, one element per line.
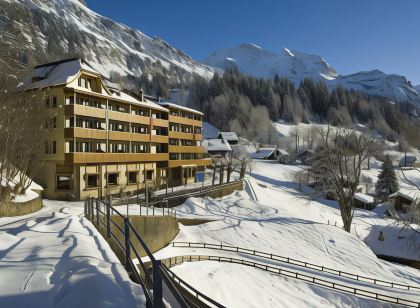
<point>352,35</point>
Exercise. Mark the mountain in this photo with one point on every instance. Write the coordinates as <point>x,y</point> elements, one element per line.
<point>262,63</point>
<point>296,66</point>
<point>53,28</point>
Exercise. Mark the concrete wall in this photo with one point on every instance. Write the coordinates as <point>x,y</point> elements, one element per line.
<point>156,231</point>
<point>21,208</point>
<point>226,190</point>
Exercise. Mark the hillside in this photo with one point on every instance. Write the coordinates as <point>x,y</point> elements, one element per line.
<point>296,66</point>
<point>53,29</point>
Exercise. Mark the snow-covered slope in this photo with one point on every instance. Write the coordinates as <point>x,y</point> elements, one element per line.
<point>53,28</point>
<point>259,62</point>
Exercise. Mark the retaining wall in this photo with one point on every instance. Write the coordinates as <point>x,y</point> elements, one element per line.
<point>20,208</point>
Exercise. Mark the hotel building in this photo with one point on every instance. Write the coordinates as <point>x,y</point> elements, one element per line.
<point>104,141</point>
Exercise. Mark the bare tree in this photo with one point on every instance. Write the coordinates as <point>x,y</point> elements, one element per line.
<point>337,165</point>
<point>411,213</point>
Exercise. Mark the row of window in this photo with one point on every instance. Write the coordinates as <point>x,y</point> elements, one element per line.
<point>64,182</point>
<point>96,147</point>
<point>186,115</point>
<point>185,156</point>
<point>173,127</point>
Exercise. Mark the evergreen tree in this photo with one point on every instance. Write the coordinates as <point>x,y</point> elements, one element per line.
<point>387,180</point>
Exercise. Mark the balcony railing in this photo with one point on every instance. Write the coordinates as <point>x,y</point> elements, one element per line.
<point>186,162</point>
<point>87,133</point>
<point>186,149</point>
<point>86,158</point>
<point>185,121</point>
<point>81,110</point>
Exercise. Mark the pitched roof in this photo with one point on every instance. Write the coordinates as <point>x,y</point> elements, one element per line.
<point>229,136</point>
<point>405,193</point>
<point>217,145</point>
<point>167,104</point>
<point>364,198</point>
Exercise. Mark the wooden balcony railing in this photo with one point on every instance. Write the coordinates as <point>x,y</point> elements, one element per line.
<point>86,158</point>
<point>187,162</point>
<point>186,149</point>
<point>185,121</point>
<point>87,111</point>
<point>87,133</point>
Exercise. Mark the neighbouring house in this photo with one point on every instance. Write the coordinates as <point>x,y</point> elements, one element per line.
<point>217,147</point>
<point>272,153</point>
<point>231,137</point>
<point>104,141</point>
<point>408,160</point>
<point>402,199</point>
<point>304,156</point>
<point>364,201</point>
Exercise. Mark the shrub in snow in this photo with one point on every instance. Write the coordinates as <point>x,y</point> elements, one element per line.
<point>387,180</point>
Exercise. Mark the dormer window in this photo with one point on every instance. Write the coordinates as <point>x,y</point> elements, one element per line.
<point>84,83</point>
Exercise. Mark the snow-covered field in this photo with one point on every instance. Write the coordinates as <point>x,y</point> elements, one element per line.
<point>286,223</point>
<point>56,258</point>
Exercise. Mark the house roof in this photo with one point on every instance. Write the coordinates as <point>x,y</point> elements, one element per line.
<point>168,104</point>
<point>63,72</point>
<point>262,153</point>
<point>217,145</point>
<point>364,198</point>
<point>405,193</point>
<point>229,136</point>
<point>305,151</point>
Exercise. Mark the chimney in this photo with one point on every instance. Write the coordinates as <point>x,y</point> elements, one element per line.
<point>141,93</point>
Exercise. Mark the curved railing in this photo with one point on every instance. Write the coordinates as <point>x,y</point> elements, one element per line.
<point>172,261</point>
<point>151,276</point>
<point>265,255</point>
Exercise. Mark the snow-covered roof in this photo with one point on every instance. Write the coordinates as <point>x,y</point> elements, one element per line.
<point>56,73</point>
<point>364,198</point>
<point>263,153</point>
<point>168,104</point>
<point>217,145</point>
<point>405,193</point>
<point>229,136</point>
<point>209,131</point>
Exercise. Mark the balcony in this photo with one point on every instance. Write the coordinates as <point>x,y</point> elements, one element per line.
<point>138,119</point>
<point>180,135</point>
<point>119,116</point>
<point>91,158</point>
<point>198,137</point>
<point>70,110</point>
<point>189,162</point>
<point>140,137</point>
<point>185,121</point>
<point>159,139</point>
<point>88,133</point>
<point>186,149</point>
<point>120,136</point>
<point>159,122</point>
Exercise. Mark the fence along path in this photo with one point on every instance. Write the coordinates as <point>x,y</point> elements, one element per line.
<point>172,261</point>
<point>265,255</point>
<point>153,277</point>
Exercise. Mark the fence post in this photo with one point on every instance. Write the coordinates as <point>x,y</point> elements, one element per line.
<point>108,226</point>
<point>97,212</point>
<point>127,242</point>
<point>157,285</point>
<point>85,208</point>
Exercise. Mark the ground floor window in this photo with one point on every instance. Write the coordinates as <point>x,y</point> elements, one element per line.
<point>132,177</point>
<point>92,180</point>
<point>63,182</point>
<point>149,175</point>
<point>112,179</point>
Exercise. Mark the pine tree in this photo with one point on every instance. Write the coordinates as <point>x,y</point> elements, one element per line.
<point>387,180</point>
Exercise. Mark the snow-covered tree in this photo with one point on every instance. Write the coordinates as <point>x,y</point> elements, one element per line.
<point>387,180</point>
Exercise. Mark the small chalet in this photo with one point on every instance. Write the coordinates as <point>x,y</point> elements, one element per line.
<point>271,154</point>
<point>230,137</point>
<point>217,146</point>
<point>402,199</point>
<point>304,156</point>
<point>363,201</point>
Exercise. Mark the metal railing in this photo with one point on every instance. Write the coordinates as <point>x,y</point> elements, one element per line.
<point>304,277</point>
<point>265,255</point>
<point>150,276</point>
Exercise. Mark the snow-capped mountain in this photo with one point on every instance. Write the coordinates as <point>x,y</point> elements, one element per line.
<point>259,62</point>
<point>53,28</point>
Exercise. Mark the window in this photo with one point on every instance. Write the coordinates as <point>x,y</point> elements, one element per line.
<point>112,179</point>
<point>92,180</point>
<point>132,177</point>
<point>54,147</point>
<point>46,147</point>
<point>54,101</point>
<point>63,182</point>
<point>149,175</point>
<point>47,102</point>
<point>54,122</point>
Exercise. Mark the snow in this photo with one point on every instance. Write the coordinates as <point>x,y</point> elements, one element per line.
<point>167,104</point>
<point>364,198</point>
<point>288,222</point>
<point>56,258</point>
<point>216,145</point>
<point>229,136</point>
<point>32,192</point>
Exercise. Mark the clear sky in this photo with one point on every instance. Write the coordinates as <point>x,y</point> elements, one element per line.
<point>352,35</point>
